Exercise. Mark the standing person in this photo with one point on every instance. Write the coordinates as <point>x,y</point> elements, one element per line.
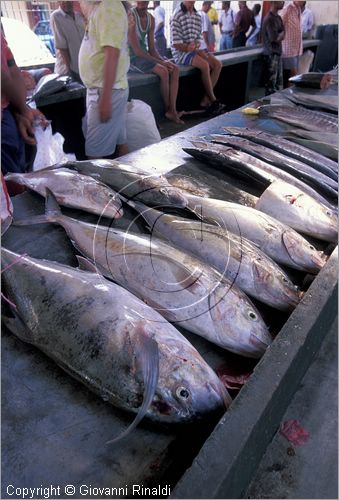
<point>17,118</point>
<point>307,20</point>
<point>292,46</point>
<point>243,20</point>
<point>227,25</point>
<point>159,31</point>
<point>145,58</point>
<point>207,28</point>
<point>185,42</point>
<point>103,64</point>
<point>212,14</point>
<point>68,29</point>
<point>273,33</point>
<point>254,35</point>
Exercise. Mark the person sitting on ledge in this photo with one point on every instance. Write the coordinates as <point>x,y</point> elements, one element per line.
<point>188,49</point>
<point>146,59</point>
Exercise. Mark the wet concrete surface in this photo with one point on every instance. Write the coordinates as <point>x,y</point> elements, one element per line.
<point>309,470</point>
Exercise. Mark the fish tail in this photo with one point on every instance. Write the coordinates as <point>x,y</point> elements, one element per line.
<point>52,213</point>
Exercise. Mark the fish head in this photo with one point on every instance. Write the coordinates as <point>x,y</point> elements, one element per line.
<point>276,284</point>
<point>110,201</point>
<point>188,388</point>
<point>238,324</point>
<point>161,192</point>
<point>302,253</point>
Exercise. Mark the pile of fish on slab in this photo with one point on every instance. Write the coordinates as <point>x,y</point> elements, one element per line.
<point>112,322</point>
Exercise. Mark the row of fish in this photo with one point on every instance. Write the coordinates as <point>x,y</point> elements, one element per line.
<point>116,343</point>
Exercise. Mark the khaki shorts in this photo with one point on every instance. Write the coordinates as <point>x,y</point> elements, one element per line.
<point>102,138</point>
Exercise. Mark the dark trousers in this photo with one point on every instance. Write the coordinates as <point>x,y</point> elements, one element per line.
<point>273,73</point>
<point>239,40</point>
<point>12,145</point>
<point>16,156</point>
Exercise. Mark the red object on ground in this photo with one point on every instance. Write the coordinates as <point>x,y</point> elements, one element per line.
<point>294,433</point>
<point>231,378</point>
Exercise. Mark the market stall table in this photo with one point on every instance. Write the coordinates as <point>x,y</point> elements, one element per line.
<point>54,431</point>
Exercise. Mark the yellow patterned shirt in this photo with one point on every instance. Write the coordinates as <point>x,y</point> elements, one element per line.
<point>107,26</point>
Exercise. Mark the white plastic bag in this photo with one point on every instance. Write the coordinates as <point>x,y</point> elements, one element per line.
<point>49,148</point>
<point>140,125</point>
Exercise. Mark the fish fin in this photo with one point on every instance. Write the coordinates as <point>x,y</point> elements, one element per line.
<point>86,264</point>
<point>52,212</point>
<point>27,221</point>
<point>16,326</point>
<point>259,271</point>
<point>136,205</point>
<point>288,243</point>
<point>148,359</point>
<point>52,208</point>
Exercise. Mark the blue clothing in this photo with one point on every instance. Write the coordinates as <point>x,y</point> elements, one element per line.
<point>12,145</point>
<point>226,41</point>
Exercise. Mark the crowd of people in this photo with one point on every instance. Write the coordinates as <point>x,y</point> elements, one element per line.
<point>109,38</point>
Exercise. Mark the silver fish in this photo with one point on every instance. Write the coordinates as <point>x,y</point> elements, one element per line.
<point>277,240</point>
<point>134,184</point>
<point>300,117</point>
<point>181,288</point>
<point>328,137</point>
<point>317,101</point>
<point>320,182</point>
<point>316,160</point>
<point>234,257</point>
<point>101,334</point>
<point>229,191</point>
<point>72,190</point>
<point>326,144</point>
<point>247,166</point>
<point>300,211</point>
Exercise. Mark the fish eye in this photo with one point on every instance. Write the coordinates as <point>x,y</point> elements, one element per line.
<point>311,247</point>
<point>252,315</point>
<point>182,393</point>
<point>285,280</point>
<point>328,212</point>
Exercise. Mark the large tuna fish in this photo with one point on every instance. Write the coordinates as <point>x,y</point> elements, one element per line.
<point>300,211</point>
<point>277,240</point>
<point>134,184</point>
<point>72,190</point>
<point>110,340</point>
<point>234,257</point>
<point>181,288</point>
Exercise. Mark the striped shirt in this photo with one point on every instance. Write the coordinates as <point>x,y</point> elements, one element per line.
<point>292,44</point>
<point>185,28</point>
<point>142,34</point>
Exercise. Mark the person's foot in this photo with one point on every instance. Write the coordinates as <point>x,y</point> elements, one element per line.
<point>205,103</point>
<point>173,117</point>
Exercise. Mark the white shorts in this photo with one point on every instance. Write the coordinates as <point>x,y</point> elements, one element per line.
<point>102,138</point>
